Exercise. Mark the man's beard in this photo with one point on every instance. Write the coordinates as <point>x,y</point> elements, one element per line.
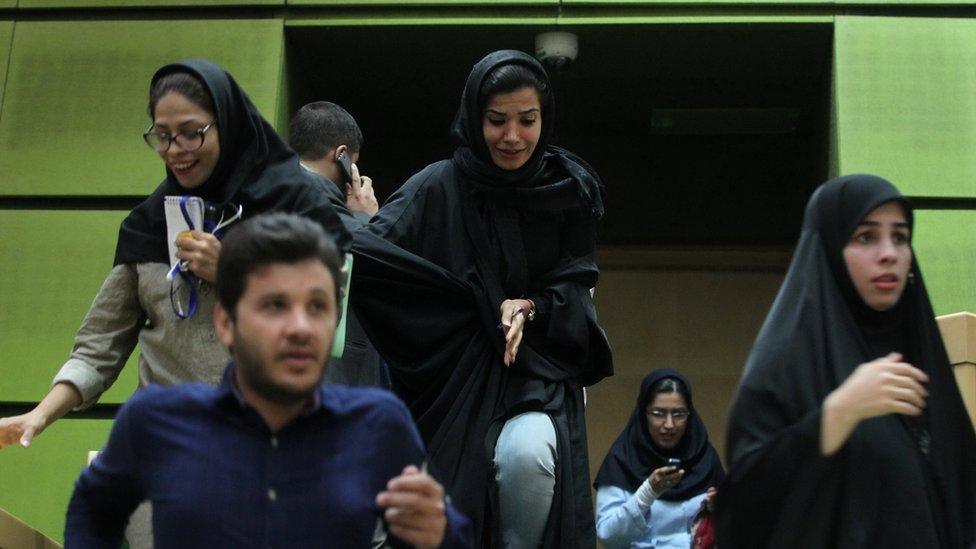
<point>253,372</point>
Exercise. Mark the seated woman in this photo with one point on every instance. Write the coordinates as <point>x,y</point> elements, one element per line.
<point>214,145</point>
<point>848,428</point>
<point>641,499</point>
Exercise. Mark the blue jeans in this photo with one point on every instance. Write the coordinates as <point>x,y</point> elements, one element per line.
<point>525,471</point>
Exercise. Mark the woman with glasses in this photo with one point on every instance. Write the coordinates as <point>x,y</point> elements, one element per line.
<point>848,428</point>
<point>217,148</point>
<point>659,471</point>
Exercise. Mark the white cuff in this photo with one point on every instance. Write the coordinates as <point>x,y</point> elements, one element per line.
<point>646,495</point>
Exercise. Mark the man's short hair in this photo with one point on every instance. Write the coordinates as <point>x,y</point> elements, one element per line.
<point>267,239</point>
<point>322,126</point>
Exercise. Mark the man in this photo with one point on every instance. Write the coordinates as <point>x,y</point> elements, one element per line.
<point>270,458</point>
<point>321,133</point>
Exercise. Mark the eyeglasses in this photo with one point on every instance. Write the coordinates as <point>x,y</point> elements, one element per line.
<point>677,416</point>
<point>189,140</point>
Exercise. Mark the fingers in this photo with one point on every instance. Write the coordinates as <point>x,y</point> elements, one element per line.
<point>28,436</point>
<point>201,241</point>
<point>14,430</point>
<point>10,432</point>
<point>414,504</point>
<point>357,183</point>
<point>907,370</point>
<point>901,394</point>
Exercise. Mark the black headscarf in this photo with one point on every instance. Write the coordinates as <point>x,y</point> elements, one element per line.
<point>880,489</point>
<point>550,179</point>
<point>256,170</point>
<point>634,455</point>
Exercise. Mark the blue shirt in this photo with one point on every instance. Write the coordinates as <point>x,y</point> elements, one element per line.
<point>620,522</point>
<point>218,477</point>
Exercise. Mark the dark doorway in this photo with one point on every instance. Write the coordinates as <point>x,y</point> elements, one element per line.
<point>704,134</point>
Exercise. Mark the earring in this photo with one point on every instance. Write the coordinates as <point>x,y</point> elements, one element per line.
<point>911,278</point>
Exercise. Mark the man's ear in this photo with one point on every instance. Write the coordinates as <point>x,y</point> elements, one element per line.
<point>339,150</point>
<point>223,325</point>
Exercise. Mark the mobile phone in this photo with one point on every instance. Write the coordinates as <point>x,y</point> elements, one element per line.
<point>345,166</point>
<point>675,462</point>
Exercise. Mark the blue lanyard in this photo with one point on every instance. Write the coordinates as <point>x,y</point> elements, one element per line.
<point>190,280</point>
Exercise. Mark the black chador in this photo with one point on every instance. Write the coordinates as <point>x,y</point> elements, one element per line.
<point>898,481</point>
<point>433,268</point>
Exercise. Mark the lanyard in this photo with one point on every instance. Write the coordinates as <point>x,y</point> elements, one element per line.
<point>180,271</point>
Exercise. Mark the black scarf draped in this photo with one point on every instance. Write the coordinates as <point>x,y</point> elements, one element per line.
<point>880,489</point>
<point>432,269</point>
<point>256,170</point>
<point>549,178</point>
<point>633,456</point>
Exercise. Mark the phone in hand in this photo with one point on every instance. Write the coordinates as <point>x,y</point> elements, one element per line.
<point>674,462</point>
<point>345,166</point>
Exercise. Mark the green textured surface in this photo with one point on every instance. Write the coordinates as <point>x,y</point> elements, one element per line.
<point>36,482</point>
<point>75,102</point>
<point>906,102</point>
<point>6,36</point>
<point>688,16</point>
<point>423,2</point>
<point>946,247</point>
<point>143,3</point>
<point>52,264</point>
<point>400,18</point>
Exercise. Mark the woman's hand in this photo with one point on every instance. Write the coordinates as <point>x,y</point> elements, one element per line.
<point>24,428</point>
<point>21,429</point>
<point>664,478</point>
<point>200,250</point>
<point>513,313</point>
<point>710,495</point>
<point>360,196</point>
<point>883,386</point>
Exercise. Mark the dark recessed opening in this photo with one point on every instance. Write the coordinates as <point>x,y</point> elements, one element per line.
<point>704,134</point>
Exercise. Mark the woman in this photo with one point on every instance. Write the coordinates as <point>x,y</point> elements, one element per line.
<point>641,499</point>
<point>215,146</point>
<point>848,429</point>
<point>473,282</point>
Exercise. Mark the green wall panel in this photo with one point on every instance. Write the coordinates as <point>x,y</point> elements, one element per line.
<point>906,107</point>
<point>75,103</point>
<point>143,3</point>
<point>6,36</point>
<point>423,2</point>
<point>52,264</point>
<point>946,247</point>
<point>36,482</point>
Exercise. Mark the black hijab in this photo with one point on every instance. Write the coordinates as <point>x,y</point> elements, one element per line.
<point>879,488</point>
<point>552,178</point>
<point>634,455</point>
<point>256,170</point>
